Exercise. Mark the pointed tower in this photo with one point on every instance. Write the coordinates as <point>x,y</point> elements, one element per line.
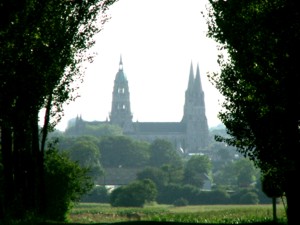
<point>200,117</point>
<point>188,96</point>
<point>194,117</point>
<point>120,110</point>
<point>79,128</point>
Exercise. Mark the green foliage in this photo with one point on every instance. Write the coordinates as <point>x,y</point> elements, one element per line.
<point>42,47</point>
<point>272,185</point>
<point>226,176</point>
<point>196,170</point>
<point>237,174</point>
<point>97,130</point>
<point>157,175</point>
<point>260,85</point>
<point>123,151</point>
<point>215,197</point>
<point>246,172</point>
<point>163,152</point>
<point>170,193</point>
<point>81,149</point>
<point>99,194</point>
<point>87,154</point>
<point>174,172</point>
<point>181,202</point>
<point>258,78</point>
<point>66,181</point>
<point>249,198</point>
<point>245,196</point>
<point>135,194</point>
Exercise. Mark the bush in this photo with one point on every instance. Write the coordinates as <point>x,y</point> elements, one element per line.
<point>172,192</point>
<point>181,202</point>
<point>65,183</point>
<point>98,194</point>
<point>214,197</point>
<point>245,196</point>
<point>249,198</point>
<point>135,194</point>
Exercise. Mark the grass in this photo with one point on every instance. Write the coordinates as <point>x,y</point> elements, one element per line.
<point>89,213</point>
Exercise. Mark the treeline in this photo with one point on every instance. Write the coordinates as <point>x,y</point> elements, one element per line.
<point>220,176</point>
<point>135,194</point>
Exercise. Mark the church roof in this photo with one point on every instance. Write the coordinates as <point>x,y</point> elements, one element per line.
<point>159,127</point>
<point>121,77</point>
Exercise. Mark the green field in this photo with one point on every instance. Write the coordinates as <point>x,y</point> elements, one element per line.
<point>89,213</point>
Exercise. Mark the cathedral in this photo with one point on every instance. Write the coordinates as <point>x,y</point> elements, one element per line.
<point>190,135</point>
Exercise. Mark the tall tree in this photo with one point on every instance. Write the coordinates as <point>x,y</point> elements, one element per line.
<point>87,154</point>
<point>196,170</point>
<point>122,151</point>
<point>259,80</point>
<point>42,45</point>
<point>164,153</point>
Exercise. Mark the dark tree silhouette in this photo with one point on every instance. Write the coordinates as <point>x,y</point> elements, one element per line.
<point>42,45</point>
<point>259,80</point>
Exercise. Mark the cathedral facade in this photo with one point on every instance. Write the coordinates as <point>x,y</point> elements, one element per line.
<point>190,135</point>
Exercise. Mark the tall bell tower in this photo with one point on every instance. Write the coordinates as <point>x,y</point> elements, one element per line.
<point>120,110</point>
<point>194,118</point>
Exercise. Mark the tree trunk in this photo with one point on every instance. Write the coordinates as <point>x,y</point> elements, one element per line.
<point>274,209</point>
<point>293,199</point>
<point>7,162</point>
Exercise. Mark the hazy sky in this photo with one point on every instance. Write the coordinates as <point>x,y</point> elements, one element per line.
<point>158,40</point>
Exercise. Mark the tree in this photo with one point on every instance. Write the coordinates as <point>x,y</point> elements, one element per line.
<point>172,192</point>
<point>123,151</point>
<point>157,175</point>
<point>87,154</point>
<point>259,80</point>
<point>237,174</point>
<point>246,172</point>
<point>99,194</point>
<point>196,169</point>
<point>83,149</point>
<point>245,196</point>
<point>135,194</point>
<point>173,172</point>
<point>66,182</point>
<point>163,152</point>
<point>96,130</point>
<point>42,46</point>
<point>226,176</point>
<point>272,187</point>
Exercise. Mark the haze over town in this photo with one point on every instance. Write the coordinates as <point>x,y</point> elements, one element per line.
<point>158,41</point>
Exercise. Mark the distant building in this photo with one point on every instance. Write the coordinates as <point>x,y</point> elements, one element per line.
<point>190,135</point>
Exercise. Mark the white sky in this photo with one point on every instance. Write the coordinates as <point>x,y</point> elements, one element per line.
<point>158,40</point>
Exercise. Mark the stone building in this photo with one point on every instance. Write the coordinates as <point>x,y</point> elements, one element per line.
<point>190,135</point>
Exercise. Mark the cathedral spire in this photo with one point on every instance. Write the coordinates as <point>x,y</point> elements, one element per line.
<point>194,117</point>
<point>198,85</point>
<point>191,78</point>
<point>121,63</point>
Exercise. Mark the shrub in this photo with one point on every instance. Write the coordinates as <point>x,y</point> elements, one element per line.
<point>249,198</point>
<point>172,192</point>
<point>65,183</point>
<point>181,202</point>
<point>214,197</point>
<point>135,194</point>
<point>98,194</point>
<point>245,196</point>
